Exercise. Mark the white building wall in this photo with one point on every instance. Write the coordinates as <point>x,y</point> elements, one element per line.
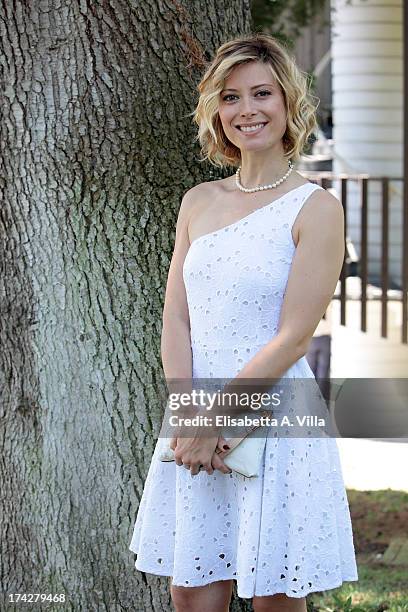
<point>367,80</point>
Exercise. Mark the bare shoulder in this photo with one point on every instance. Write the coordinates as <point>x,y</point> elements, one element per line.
<point>322,210</point>
<point>202,191</point>
<point>326,200</point>
<point>194,198</point>
<point>196,201</point>
<point>324,206</point>
<point>195,192</point>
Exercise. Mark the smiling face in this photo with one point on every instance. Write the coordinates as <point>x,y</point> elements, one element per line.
<point>252,97</point>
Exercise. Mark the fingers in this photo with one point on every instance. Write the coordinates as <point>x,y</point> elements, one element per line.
<point>218,464</point>
<point>215,464</point>
<point>194,468</point>
<point>222,444</point>
<point>177,458</point>
<point>208,468</point>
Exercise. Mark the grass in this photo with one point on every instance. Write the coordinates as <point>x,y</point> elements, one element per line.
<point>377,516</point>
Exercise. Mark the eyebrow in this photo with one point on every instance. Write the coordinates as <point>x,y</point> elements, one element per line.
<point>254,87</point>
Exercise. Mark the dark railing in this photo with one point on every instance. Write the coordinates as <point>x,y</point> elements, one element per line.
<point>325,180</point>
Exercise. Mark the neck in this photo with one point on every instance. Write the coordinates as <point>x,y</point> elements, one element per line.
<point>256,171</point>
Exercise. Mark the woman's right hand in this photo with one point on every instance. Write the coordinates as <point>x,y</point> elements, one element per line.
<point>214,463</point>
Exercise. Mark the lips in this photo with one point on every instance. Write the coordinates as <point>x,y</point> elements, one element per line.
<point>260,123</point>
<point>239,125</point>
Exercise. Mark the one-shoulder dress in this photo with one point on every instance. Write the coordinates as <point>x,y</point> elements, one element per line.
<point>287,530</point>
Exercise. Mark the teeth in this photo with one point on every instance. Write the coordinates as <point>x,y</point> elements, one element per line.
<point>251,128</point>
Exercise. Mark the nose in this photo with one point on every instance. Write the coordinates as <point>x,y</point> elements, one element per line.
<point>246,107</point>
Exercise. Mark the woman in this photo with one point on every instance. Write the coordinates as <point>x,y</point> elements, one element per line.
<point>252,274</point>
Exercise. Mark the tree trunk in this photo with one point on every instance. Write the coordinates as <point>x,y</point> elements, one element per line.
<point>97,152</point>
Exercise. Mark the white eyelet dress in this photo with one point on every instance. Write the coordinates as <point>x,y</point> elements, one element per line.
<point>287,530</point>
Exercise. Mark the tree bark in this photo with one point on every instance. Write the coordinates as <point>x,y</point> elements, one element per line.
<point>97,151</point>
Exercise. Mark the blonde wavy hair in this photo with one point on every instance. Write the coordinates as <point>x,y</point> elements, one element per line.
<point>300,109</point>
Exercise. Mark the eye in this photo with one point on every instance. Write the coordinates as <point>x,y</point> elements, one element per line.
<point>228,96</point>
<point>262,91</point>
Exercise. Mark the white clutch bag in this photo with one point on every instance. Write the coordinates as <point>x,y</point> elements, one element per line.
<point>245,454</point>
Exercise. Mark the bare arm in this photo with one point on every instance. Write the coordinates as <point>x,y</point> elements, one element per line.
<point>175,338</point>
<point>176,345</point>
<point>314,273</point>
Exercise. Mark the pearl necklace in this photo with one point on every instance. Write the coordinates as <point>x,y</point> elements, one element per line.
<point>262,187</point>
